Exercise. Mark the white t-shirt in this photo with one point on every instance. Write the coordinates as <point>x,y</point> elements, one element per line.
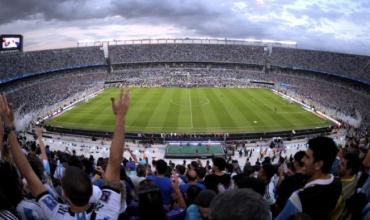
<point>6,215</point>
<point>107,208</point>
<point>29,209</point>
<point>96,195</point>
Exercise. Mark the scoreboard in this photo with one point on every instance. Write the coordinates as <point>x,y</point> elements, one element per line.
<point>11,42</point>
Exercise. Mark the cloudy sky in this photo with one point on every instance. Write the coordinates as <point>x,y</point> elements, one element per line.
<point>334,25</point>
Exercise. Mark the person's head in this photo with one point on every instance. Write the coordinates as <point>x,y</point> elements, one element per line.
<point>141,170</point>
<point>203,201</point>
<point>33,147</point>
<point>245,182</point>
<point>150,201</point>
<point>194,164</point>
<point>267,160</point>
<point>191,176</point>
<point>229,168</point>
<point>298,160</point>
<point>201,172</point>
<point>349,165</point>
<point>10,186</point>
<point>161,167</point>
<point>319,156</point>
<point>266,172</point>
<point>36,165</point>
<point>76,185</point>
<point>239,204</point>
<point>75,161</point>
<point>219,164</point>
<point>191,194</point>
<point>248,170</point>
<point>180,169</point>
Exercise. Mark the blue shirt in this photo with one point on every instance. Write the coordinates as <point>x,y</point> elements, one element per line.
<point>185,187</point>
<point>192,213</point>
<point>165,186</point>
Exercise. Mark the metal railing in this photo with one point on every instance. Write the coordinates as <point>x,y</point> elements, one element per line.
<point>222,41</point>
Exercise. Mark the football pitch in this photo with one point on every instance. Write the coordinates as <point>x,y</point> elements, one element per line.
<point>195,110</point>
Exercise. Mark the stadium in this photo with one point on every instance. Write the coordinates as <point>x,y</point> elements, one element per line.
<point>230,87</point>
<point>259,110</point>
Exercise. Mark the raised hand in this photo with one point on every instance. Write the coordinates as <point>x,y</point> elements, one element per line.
<point>1,129</point>
<point>6,111</point>
<point>34,184</point>
<point>175,181</point>
<point>38,132</point>
<point>120,106</point>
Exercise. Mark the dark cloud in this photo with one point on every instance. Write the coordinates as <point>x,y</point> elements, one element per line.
<point>66,10</point>
<point>212,17</point>
<point>11,10</point>
<point>208,18</point>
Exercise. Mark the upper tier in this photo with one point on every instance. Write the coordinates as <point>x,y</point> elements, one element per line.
<point>18,65</point>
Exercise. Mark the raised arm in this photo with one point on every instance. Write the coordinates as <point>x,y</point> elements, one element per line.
<point>1,137</point>
<point>38,132</point>
<point>119,107</point>
<point>180,201</point>
<point>44,156</point>
<point>133,156</point>
<point>34,183</point>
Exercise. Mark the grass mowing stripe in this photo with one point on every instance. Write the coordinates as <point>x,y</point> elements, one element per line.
<point>281,120</point>
<point>222,113</point>
<point>145,110</point>
<point>292,117</point>
<point>266,111</point>
<point>244,107</point>
<point>200,104</point>
<point>158,115</point>
<point>171,112</point>
<point>192,110</point>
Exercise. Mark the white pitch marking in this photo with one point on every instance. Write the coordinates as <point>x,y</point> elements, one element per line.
<point>191,111</point>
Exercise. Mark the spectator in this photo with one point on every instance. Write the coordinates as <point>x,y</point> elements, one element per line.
<point>291,183</point>
<point>77,194</point>
<point>192,180</point>
<point>163,182</point>
<point>246,182</point>
<point>150,201</point>
<point>320,195</point>
<point>140,175</point>
<point>200,209</point>
<point>266,174</point>
<point>218,181</point>
<point>239,204</point>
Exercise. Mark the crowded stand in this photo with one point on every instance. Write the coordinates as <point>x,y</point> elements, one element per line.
<point>323,179</point>
<point>187,53</point>
<point>17,65</point>
<point>345,65</point>
<point>54,176</point>
<point>32,95</point>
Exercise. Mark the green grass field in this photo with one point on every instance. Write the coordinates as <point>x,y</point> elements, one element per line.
<point>196,110</point>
